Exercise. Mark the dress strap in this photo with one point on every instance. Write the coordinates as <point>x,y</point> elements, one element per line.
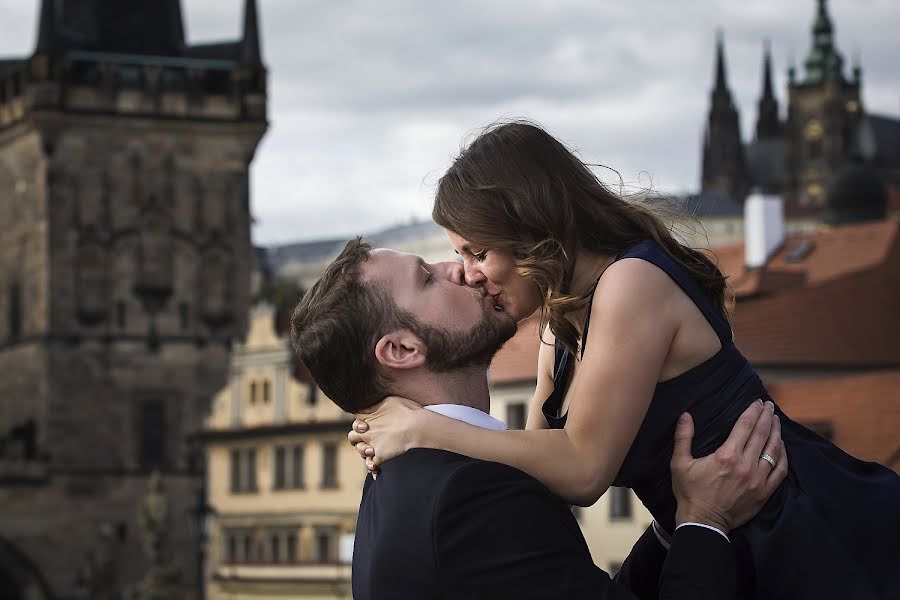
<point>650,251</point>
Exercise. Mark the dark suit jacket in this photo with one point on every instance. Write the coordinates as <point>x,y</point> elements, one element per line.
<point>439,525</point>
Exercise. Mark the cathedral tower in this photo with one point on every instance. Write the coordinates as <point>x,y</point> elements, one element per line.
<point>823,111</point>
<point>124,274</point>
<point>723,154</point>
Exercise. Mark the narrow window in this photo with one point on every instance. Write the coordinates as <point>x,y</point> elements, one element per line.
<point>235,470</point>
<point>329,465</point>
<point>184,316</point>
<point>152,435</point>
<point>265,391</point>
<point>297,467</point>
<point>14,315</point>
<point>291,547</point>
<point>619,503</point>
<point>280,468</point>
<point>515,415</point>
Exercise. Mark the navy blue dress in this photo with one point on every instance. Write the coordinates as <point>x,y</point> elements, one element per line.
<point>831,530</point>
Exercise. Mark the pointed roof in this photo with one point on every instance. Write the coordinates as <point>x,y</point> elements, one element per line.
<point>721,79</point>
<point>768,124</point>
<point>46,27</point>
<point>250,47</point>
<point>823,61</point>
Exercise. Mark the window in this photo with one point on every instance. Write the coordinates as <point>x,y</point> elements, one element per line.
<point>296,480</point>
<point>516,415</point>
<point>252,392</point>
<point>14,315</point>
<point>243,470</point>
<point>248,549</point>
<point>619,503</point>
<point>265,391</point>
<point>121,315</point>
<point>184,316</point>
<point>280,468</point>
<point>288,467</point>
<point>290,541</point>
<point>329,465</point>
<point>312,397</point>
<point>326,544</point>
<point>232,548</point>
<point>152,435</point>
<point>275,548</point>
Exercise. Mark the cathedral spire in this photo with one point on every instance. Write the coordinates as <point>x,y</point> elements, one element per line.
<point>250,50</point>
<point>723,153</point>
<point>46,28</point>
<point>721,79</point>
<point>767,123</point>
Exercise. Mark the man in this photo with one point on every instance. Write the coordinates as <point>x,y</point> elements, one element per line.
<point>440,525</point>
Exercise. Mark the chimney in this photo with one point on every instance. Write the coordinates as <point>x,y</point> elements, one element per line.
<point>763,227</point>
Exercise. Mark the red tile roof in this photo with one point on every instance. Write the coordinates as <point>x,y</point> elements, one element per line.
<point>863,410</point>
<point>837,306</point>
<point>517,360</point>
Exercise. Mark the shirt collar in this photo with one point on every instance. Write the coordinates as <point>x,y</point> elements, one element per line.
<point>467,414</point>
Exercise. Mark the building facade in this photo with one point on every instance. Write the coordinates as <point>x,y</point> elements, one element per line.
<point>124,265</point>
<point>284,484</point>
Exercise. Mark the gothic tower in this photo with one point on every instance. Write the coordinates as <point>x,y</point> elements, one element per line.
<point>723,154</point>
<point>768,125</point>
<point>124,275</point>
<point>823,111</point>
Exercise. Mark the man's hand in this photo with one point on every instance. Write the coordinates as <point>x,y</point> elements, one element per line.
<point>727,488</point>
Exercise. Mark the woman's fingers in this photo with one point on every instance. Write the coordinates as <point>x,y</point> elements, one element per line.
<point>365,450</point>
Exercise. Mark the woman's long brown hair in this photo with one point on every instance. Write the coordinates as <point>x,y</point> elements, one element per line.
<point>517,188</point>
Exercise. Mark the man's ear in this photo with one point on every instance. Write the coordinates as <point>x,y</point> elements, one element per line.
<point>400,349</point>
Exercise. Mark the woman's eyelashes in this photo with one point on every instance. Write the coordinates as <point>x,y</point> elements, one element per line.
<point>428,276</point>
<point>480,256</point>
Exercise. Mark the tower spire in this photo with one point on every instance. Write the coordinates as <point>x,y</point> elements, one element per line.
<point>767,123</point>
<point>46,28</point>
<point>250,50</point>
<point>721,79</point>
<point>824,61</point>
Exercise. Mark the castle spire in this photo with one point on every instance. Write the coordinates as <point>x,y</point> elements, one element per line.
<point>46,28</point>
<point>767,123</point>
<point>250,50</point>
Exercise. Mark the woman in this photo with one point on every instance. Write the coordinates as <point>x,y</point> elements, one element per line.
<point>635,334</point>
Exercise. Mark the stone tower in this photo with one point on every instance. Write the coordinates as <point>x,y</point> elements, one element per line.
<point>124,276</point>
<point>823,112</point>
<point>723,153</point>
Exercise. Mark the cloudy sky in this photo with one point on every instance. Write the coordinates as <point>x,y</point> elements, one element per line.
<point>370,100</point>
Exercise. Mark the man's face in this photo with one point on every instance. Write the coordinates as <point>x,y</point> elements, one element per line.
<point>459,325</point>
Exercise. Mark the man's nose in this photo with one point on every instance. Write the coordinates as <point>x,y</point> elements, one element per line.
<point>474,276</point>
<point>452,271</point>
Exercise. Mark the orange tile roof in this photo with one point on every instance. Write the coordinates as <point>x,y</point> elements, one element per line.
<point>837,306</point>
<point>864,411</point>
<point>517,360</point>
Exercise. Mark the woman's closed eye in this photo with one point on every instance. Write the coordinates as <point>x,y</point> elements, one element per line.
<point>429,276</point>
<point>480,256</point>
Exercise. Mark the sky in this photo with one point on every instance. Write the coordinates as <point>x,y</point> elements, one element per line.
<point>370,101</point>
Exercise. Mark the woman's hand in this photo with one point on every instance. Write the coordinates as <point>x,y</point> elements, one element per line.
<point>385,431</point>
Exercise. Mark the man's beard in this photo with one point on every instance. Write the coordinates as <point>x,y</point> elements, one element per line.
<point>453,350</point>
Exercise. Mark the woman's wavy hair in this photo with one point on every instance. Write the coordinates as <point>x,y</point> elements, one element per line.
<point>517,188</point>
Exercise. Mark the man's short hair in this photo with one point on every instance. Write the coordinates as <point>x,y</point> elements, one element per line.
<point>336,325</point>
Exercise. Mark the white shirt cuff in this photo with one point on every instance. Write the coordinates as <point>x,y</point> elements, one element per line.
<point>717,530</point>
<point>662,540</point>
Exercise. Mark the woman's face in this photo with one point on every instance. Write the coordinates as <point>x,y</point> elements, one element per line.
<point>495,272</point>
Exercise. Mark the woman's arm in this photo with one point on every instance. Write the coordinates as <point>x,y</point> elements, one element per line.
<point>632,327</point>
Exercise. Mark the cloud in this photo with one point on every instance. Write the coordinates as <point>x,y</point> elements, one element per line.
<point>371,100</point>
